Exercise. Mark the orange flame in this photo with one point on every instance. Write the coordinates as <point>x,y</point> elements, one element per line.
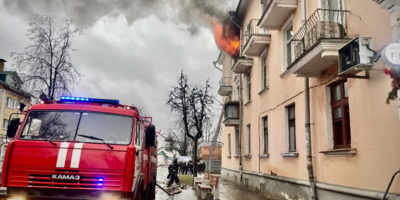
<point>225,39</point>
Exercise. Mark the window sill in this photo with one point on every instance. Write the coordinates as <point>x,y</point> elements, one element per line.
<point>249,102</point>
<point>339,152</point>
<point>228,156</point>
<point>263,90</point>
<point>290,155</point>
<point>236,156</point>
<point>10,108</point>
<point>263,156</point>
<point>248,156</point>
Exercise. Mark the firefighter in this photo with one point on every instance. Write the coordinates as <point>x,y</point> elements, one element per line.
<point>173,173</point>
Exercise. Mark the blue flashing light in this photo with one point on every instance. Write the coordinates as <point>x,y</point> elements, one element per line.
<point>81,99</point>
<point>99,184</point>
<point>100,179</point>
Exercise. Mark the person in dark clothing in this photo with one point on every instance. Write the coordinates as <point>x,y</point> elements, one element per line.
<point>173,173</point>
<point>190,167</point>
<point>185,169</point>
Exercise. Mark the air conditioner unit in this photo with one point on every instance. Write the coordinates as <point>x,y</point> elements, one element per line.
<point>355,56</point>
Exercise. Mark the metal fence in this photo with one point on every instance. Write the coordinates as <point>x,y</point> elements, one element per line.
<point>225,81</point>
<point>253,29</point>
<point>323,23</point>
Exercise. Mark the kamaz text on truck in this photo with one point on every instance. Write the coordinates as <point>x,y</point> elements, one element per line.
<point>80,148</point>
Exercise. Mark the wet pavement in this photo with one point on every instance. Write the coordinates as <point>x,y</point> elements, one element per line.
<point>227,190</point>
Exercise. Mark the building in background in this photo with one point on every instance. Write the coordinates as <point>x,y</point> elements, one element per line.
<point>11,95</point>
<point>205,148</point>
<point>354,133</point>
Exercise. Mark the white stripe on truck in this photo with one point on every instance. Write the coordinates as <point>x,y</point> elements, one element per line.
<point>76,155</point>
<point>62,154</point>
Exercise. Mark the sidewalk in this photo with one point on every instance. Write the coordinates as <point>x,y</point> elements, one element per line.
<point>229,190</point>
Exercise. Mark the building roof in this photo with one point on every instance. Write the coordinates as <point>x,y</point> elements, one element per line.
<point>221,57</point>
<point>13,73</point>
<point>241,10</point>
<point>2,60</point>
<point>16,90</point>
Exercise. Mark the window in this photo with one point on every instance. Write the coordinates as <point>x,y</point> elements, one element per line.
<point>248,86</point>
<point>10,103</point>
<point>77,126</point>
<point>265,135</point>
<point>248,131</point>
<point>289,35</point>
<point>292,128</point>
<point>5,124</point>
<point>340,115</point>
<point>229,145</point>
<point>288,50</point>
<point>137,133</point>
<point>264,73</point>
<point>237,141</point>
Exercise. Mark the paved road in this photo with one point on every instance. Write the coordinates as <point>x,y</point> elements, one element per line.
<point>228,191</point>
<point>187,194</point>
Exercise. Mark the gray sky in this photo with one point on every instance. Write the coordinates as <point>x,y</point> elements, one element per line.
<point>132,50</point>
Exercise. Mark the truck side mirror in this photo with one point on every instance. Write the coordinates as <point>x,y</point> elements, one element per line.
<point>13,128</point>
<point>150,136</point>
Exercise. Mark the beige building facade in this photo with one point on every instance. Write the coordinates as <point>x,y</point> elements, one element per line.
<point>11,95</point>
<point>355,135</point>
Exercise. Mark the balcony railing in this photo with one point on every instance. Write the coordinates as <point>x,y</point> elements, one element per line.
<point>225,81</point>
<point>322,24</point>
<point>253,29</point>
<point>225,86</point>
<point>257,39</point>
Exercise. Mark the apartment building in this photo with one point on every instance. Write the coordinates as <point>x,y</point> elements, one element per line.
<point>355,135</point>
<point>11,95</point>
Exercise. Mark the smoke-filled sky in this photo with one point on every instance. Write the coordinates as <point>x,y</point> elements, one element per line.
<point>131,50</point>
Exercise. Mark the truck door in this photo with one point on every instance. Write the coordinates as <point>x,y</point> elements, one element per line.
<point>138,140</point>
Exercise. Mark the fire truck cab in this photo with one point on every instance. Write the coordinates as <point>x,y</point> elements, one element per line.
<point>80,148</point>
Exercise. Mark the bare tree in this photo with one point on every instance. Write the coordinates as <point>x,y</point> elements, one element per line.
<point>45,65</point>
<point>193,104</point>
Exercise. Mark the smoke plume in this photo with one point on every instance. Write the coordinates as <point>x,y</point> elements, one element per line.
<point>84,13</point>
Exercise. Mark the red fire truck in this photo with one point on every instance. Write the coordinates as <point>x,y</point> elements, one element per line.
<point>80,148</point>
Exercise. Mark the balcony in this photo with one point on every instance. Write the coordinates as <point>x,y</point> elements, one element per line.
<point>276,12</point>
<point>225,86</point>
<point>231,113</point>
<point>242,64</point>
<point>317,42</point>
<point>257,39</point>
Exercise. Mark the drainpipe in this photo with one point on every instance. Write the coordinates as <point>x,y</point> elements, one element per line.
<point>215,65</point>
<point>232,13</point>
<point>310,167</point>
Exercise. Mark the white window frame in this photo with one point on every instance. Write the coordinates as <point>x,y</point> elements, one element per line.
<point>263,145</point>
<point>287,131</point>
<point>285,28</point>
<point>229,145</point>
<point>5,124</point>
<point>237,135</point>
<point>248,136</point>
<point>248,87</point>
<point>13,107</point>
<point>263,57</point>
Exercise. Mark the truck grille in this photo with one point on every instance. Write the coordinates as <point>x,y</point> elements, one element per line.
<point>93,179</point>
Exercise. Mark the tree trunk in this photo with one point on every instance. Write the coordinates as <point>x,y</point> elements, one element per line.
<point>195,158</point>
<point>216,134</point>
<point>185,146</point>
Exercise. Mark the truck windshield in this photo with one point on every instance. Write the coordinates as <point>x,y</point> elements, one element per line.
<point>68,125</point>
